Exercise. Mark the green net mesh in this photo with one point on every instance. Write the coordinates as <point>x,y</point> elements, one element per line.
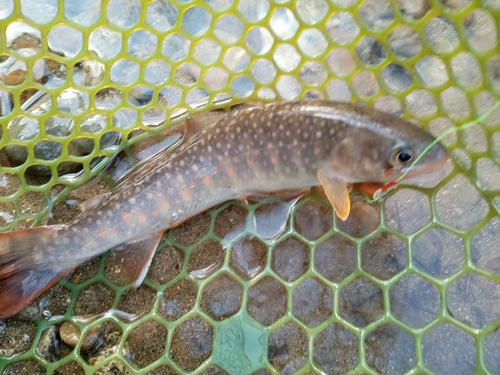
<point>407,286</point>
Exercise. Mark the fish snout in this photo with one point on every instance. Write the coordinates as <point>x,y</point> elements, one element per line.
<point>431,169</point>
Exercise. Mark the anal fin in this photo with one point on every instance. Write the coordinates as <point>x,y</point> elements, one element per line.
<point>338,195</point>
<point>134,259</point>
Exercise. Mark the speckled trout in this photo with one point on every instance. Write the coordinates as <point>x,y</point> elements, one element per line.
<point>254,150</point>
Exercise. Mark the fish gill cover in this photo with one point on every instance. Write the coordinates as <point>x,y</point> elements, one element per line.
<point>410,285</point>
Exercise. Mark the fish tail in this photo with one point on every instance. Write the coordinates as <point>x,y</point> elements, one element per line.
<point>22,275</point>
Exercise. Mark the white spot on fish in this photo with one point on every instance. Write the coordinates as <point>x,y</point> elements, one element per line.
<point>131,201</point>
<point>182,163</point>
<point>318,134</point>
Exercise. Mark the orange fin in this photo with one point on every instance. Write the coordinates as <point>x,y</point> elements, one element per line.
<point>22,278</point>
<point>134,258</point>
<point>369,187</point>
<point>337,194</point>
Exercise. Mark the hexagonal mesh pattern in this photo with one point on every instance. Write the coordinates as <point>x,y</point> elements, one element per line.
<point>410,285</point>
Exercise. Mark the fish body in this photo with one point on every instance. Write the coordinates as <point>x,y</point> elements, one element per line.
<point>254,150</point>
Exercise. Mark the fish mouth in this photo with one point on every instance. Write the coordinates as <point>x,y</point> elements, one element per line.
<point>423,178</point>
<point>430,172</point>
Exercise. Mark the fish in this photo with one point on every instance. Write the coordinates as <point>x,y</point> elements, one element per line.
<point>257,149</point>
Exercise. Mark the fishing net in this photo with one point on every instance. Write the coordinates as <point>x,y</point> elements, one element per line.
<point>410,285</point>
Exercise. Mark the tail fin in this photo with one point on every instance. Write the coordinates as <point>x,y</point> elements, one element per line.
<point>22,276</point>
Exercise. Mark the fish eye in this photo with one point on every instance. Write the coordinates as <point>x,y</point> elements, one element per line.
<point>402,157</point>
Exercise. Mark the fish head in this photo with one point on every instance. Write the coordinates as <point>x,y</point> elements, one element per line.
<point>419,160</point>
<point>379,147</point>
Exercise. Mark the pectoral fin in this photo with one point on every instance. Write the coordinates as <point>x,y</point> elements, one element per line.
<point>337,194</point>
<point>134,259</point>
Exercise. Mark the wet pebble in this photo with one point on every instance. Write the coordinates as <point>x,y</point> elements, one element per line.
<point>70,335</point>
<point>48,344</point>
